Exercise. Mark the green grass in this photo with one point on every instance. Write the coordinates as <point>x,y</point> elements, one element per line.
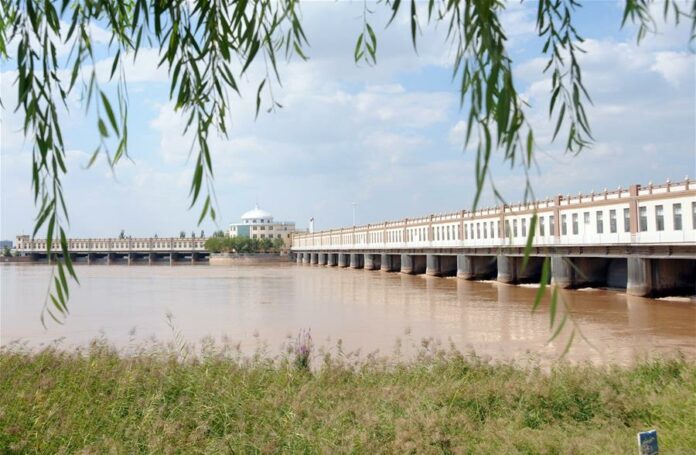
<point>97,401</point>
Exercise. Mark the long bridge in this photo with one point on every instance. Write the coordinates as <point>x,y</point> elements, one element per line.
<point>642,238</point>
<point>129,251</point>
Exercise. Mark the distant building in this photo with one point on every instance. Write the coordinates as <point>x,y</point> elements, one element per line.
<point>5,244</point>
<point>259,224</point>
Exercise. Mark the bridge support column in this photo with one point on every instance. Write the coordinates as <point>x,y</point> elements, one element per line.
<point>128,255</point>
<point>109,258</point>
<point>432,266</point>
<point>562,272</point>
<point>640,277</point>
<point>322,259</point>
<point>89,258</point>
<point>314,258</point>
<point>406,264</point>
<point>331,259</point>
<point>305,258</point>
<point>150,258</point>
<point>390,262</point>
<point>356,261</point>
<point>476,267</point>
<point>372,261</point>
<point>507,269</point>
<point>298,258</point>
<point>413,264</point>
<point>343,259</point>
<point>171,258</point>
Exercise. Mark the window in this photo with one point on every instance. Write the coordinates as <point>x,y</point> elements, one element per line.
<point>659,217</point>
<point>478,230</point>
<point>492,230</point>
<point>466,231</point>
<point>612,221</point>
<point>524,227</point>
<point>586,217</point>
<point>514,228</point>
<point>600,222</point>
<point>643,218</point>
<point>564,225</point>
<point>541,226</point>
<point>507,229</point>
<point>552,227</point>
<point>485,231</point>
<point>575,224</point>
<point>627,220</point>
<point>676,217</point>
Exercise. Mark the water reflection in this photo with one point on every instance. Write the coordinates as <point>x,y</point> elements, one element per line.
<point>367,310</point>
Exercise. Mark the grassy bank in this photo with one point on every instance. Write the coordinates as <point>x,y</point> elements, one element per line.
<point>99,402</point>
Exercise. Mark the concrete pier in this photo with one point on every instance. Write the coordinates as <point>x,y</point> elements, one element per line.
<point>343,259</point>
<point>639,281</point>
<point>476,267</point>
<point>372,261</point>
<point>321,259</point>
<point>413,264</point>
<point>438,265</point>
<point>331,259</point>
<point>356,261</point>
<point>562,272</point>
<point>512,270</point>
<point>314,258</point>
<point>507,269</point>
<point>390,262</point>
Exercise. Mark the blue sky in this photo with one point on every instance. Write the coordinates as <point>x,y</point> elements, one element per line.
<point>387,137</point>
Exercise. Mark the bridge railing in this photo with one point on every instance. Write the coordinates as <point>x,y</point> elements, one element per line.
<point>27,245</point>
<point>657,214</point>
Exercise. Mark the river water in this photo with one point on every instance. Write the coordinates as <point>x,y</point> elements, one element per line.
<point>265,307</point>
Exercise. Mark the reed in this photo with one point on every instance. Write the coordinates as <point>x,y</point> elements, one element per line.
<point>98,401</point>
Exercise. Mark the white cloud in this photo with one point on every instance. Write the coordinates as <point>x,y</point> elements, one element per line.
<point>676,67</point>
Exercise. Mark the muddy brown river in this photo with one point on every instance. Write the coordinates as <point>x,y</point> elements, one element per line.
<point>265,306</point>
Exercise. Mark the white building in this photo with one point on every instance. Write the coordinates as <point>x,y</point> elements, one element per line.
<point>259,224</point>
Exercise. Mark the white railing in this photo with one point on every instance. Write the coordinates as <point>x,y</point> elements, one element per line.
<point>26,245</point>
<point>655,214</point>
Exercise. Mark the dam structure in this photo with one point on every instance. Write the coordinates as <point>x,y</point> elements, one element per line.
<point>642,239</point>
<point>146,250</point>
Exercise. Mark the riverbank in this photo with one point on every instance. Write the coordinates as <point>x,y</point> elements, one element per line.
<point>247,258</point>
<point>97,401</point>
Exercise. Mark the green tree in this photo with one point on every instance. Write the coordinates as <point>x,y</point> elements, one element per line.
<point>219,233</point>
<point>214,244</point>
<point>201,43</point>
<point>182,235</point>
<point>6,252</point>
<point>278,244</point>
<point>265,245</point>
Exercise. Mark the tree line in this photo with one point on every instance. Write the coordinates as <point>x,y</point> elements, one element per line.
<point>217,244</point>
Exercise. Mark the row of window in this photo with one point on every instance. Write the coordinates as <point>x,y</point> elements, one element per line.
<point>263,236</point>
<point>270,228</point>
<point>491,229</point>
<point>256,221</point>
